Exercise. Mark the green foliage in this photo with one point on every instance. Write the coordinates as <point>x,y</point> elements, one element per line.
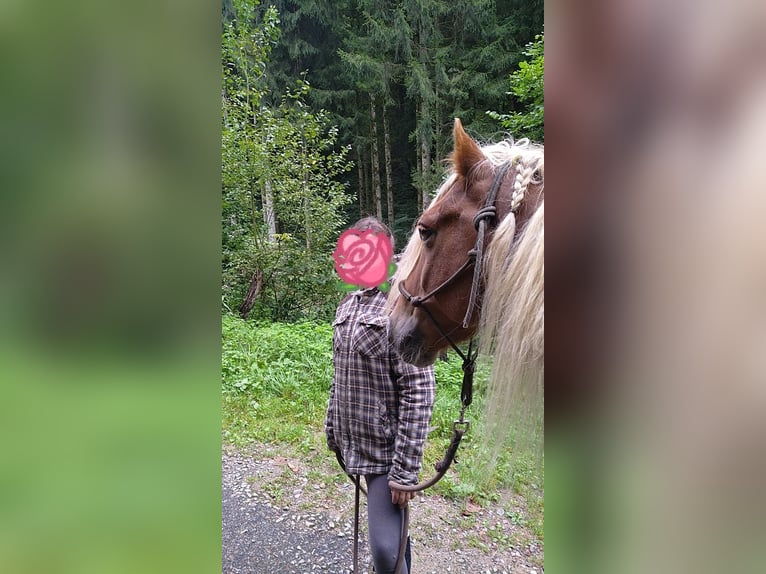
<point>283,203</point>
<point>286,177</point>
<point>301,159</point>
<point>527,85</point>
<point>276,380</point>
<point>425,63</point>
<point>260,359</point>
<point>245,49</point>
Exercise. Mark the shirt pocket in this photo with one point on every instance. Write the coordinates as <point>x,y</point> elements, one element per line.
<point>339,329</point>
<point>371,337</point>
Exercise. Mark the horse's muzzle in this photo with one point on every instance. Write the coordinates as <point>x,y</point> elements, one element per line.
<point>409,342</point>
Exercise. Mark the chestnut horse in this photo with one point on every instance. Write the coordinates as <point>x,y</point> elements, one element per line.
<point>475,266</point>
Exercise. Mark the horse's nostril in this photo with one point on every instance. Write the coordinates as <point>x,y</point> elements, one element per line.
<point>408,341</point>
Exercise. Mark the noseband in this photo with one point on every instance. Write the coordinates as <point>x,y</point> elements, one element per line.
<point>474,257</point>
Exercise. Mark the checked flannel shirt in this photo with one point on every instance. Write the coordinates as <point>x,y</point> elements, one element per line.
<point>380,407</point>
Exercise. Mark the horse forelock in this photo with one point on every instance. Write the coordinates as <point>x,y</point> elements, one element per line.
<point>510,150</point>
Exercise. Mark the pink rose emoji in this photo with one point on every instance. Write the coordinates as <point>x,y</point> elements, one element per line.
<point>363,258</point>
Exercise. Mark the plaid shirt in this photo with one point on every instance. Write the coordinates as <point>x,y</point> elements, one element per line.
<point>380,407</point>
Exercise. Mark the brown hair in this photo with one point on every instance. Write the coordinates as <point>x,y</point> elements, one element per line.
<point>376,225</point>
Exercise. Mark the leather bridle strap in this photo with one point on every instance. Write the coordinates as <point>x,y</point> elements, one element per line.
<point>489,211</point>
<point>418,303</point>
<point>474,257</point>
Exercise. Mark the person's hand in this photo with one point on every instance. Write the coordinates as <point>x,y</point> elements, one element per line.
<point>400,497</point>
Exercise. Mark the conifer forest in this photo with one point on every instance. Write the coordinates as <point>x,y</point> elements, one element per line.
<point>332,110</point>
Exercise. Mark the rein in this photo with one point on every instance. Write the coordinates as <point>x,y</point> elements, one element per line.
<point>474,257</point>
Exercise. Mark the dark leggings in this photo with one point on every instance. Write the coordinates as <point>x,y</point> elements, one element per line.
<point>384,520</point>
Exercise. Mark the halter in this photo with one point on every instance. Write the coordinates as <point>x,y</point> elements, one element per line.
<point>474,257</point>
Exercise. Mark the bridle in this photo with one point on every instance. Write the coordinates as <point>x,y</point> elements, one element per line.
<point>482,221</point>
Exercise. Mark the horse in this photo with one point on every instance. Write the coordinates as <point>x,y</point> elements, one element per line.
<point>475,266</point>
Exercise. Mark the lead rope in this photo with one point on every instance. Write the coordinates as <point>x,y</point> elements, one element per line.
<point>356,524</point>
<point>403,540</point>
<point>459,428</point>
<point>466,397</point>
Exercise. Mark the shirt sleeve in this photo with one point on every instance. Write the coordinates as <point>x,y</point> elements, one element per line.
<point>329,430</point>
<point>417,388</point>
<point>332,404</point>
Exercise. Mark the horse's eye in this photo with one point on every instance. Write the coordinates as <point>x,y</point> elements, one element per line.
<point>426,233</point>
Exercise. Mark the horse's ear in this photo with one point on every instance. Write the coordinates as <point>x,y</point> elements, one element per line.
<point>467,152</point>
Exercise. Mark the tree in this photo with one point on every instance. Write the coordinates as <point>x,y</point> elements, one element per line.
<point>245,49</point>
<point>424,61</point>
<point>387,79</point>
<point>282,201</point>
<point>527,84</point>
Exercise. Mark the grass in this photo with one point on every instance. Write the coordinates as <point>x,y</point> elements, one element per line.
<point>275,385</point>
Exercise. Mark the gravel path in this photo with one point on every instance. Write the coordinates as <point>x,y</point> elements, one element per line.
<point>276,520</point>
<point>258,539</point>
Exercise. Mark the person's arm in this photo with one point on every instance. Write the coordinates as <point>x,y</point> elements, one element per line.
<point>417,388</point>
<point>332,404</point>
<point>328,422</point>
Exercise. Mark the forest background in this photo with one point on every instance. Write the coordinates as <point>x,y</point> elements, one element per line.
<point>332,111</point>
<point>336,110</point>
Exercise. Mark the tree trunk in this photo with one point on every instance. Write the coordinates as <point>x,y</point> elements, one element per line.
<point>389,183</point>
<point>360,174</point>
<point>425,156</point>
<point>256,284</point>
<point>438,140</point>
<point>364,196</point>
<point>419,186</point>
<point>268,210</point>
<point>307,210</point>
<point>375,160</point>
<point>426,128</point>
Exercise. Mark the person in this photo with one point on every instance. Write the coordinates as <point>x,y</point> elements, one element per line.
<point>378,414</point>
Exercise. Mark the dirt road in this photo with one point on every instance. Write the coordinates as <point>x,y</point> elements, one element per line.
<point>277,521</point>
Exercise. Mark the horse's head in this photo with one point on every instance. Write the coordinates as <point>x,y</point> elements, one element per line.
<point>430,299</point>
